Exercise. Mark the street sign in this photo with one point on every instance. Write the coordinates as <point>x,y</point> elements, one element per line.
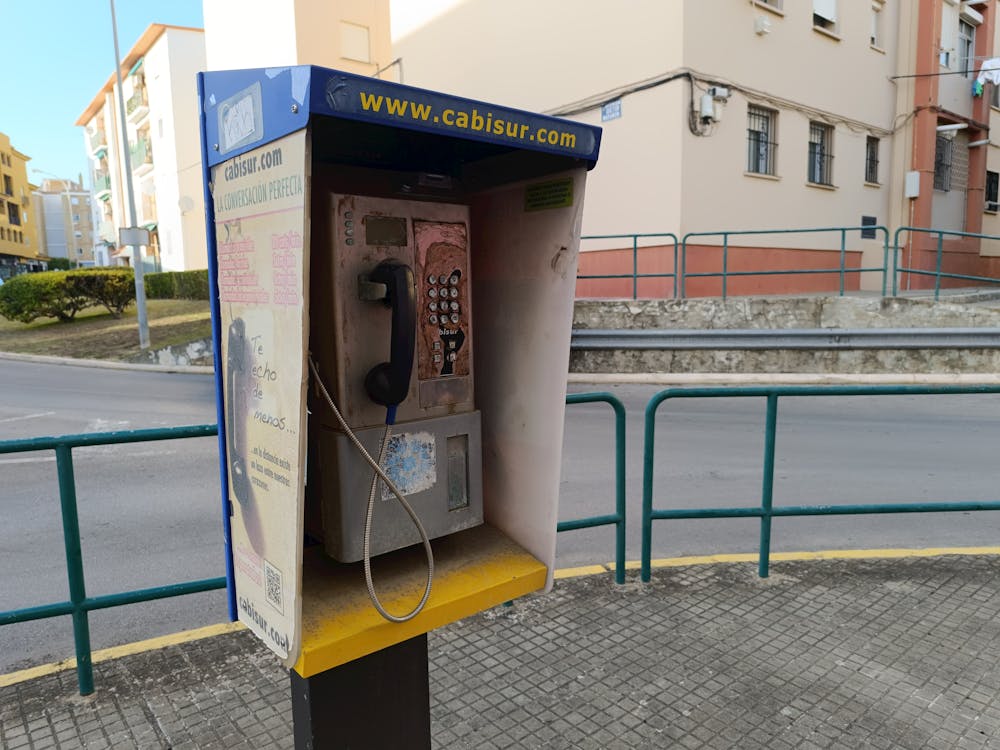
<point>133,236</point>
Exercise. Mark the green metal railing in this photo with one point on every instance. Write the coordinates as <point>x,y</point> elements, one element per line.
<point>680,276</point>
<point>766,510</point>
<point>79,604</point>
<point>937,273</point>
<point>635,275</point>
<point>841,270</point>
<point>618,517</point>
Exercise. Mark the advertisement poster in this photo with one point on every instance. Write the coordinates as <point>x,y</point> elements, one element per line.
<point>261,241</point>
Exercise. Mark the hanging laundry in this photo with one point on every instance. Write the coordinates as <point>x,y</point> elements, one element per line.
<point>977,88</point>
<point>989,71</point>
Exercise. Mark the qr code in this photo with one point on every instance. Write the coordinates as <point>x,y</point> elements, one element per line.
<point>272,587</point>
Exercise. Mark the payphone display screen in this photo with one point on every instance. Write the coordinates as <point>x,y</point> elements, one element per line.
<point>386,231</point>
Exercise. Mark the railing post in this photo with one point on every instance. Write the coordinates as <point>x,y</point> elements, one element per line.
<point>74,568</point>
<point>684,260</point>
<point>648,451</point>
<point>725,262</point>
<point>767,488</point>
<point>937,273</point>
<point>635,266</point>
<point>895,261</point>
<point>619,410</point>
<point>675,267</point>
<point>843,253</point>
<point>885,257</point>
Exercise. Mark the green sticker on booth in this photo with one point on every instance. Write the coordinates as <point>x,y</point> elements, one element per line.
<point>545,195</point>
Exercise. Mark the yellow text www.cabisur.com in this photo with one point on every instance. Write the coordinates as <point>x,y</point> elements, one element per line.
<point>473,120</point>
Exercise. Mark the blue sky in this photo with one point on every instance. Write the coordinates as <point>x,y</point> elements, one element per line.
<point>59,53</point>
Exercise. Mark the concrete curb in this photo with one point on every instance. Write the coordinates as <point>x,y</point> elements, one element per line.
<point>107,364</point>
<point>609,378</point>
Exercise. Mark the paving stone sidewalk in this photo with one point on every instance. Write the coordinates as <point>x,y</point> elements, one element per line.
<point>834,654</point>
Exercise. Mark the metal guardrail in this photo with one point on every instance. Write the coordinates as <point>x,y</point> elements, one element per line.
<point>794,338</point>
<point>618,517</point>
<point>937,273</point>
<point>79,604</point>
<point>766,510</point>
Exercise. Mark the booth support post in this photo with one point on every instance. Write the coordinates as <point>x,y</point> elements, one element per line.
<point>377,701</point>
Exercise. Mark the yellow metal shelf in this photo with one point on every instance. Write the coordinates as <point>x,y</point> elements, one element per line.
<point>474,570</point>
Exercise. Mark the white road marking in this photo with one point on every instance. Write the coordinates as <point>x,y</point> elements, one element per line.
<point>91,449</point>
<point>29,416</point>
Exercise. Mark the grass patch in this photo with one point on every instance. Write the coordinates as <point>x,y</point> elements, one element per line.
<point>94,334</point>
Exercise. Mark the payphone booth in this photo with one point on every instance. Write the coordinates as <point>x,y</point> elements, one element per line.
<point>394,274</point>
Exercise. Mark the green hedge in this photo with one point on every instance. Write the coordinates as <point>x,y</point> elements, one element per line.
<point>177,285</point>
<point>112,287</point>
<point>159,285</point>
<point>62,294</point>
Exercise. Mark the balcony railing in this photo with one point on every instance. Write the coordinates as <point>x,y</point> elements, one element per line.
<point>137,105</point>
<point>148,210</point>
<point>98,141</point>
<point>141,153</point>
<point>102,186</point>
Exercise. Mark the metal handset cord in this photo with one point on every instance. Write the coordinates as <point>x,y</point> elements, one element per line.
<point>379,473</point>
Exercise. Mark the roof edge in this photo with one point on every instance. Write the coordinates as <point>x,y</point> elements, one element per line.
<point>142,45</point>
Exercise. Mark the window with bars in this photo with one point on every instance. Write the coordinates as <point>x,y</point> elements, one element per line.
<point>820,153</point>
<point>761,146</point>
<point>871,160</point>
<point>942,163</point>
<point>992,190</point>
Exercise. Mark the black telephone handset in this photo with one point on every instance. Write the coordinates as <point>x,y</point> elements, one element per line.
<point>388,383</point>
<point>236,366</point>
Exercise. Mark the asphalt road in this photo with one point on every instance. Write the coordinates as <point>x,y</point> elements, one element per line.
<point>150,512</point>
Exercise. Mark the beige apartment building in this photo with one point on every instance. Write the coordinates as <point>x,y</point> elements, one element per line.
<point>161,105</point>
<point>727,115</point>
<point>350,35</point>
<point>65,224</point>
<point>19,248</point>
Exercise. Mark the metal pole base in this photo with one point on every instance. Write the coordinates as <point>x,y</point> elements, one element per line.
<point>378,701</point>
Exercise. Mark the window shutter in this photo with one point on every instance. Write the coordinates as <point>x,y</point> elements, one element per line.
<point>826,9</point>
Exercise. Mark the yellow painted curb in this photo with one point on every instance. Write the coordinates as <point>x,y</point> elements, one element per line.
<point>584,570</point>
<point>128,649</point>
<point>848,554</point>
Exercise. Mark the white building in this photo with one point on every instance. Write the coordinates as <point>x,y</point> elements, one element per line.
<point>159,86</point>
